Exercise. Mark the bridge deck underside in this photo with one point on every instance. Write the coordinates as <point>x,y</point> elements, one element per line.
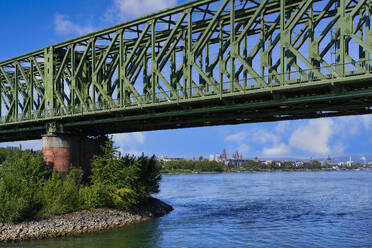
<point>352,98</point>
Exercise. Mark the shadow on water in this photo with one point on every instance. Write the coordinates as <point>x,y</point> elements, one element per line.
<point>135,235</point>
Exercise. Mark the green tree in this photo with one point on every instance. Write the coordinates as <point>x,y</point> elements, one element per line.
<point>129,180</point>
<point>21,180</point>
<point>314,164</point>
<point>62,196</point>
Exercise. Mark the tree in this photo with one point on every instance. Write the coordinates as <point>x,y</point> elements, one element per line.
<point>21,181</point>
<point>129,180</point>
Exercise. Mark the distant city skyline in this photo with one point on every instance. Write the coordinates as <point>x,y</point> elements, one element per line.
<point>58,21</point>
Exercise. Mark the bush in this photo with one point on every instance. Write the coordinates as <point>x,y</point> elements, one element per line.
<point>125,198</point>
<point>127,177</point>
<point>29,189</point>
<point>62,196</point>
<point>95,196</point>
<point>21,179</point>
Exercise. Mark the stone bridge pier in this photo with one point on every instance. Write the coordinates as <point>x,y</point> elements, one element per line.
<point>62,152</point>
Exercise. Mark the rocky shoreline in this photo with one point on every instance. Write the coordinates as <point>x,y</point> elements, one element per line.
<point>81,222</point>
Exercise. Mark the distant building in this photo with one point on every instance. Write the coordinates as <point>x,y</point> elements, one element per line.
<point>329,160</point>
<point>236,162</point>
<point>279,163</point>
<point>341,163</point>
<point>236,155</point>
<point>218,158</point>
<point>363,159</point>
<point>268,162</point>
<point>166,159</point>
<point>223,155</point>
<point>211,157</point>
<point>349,163</point>
<point>299,164</point>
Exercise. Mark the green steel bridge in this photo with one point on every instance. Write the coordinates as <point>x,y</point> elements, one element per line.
<point>202,63</point>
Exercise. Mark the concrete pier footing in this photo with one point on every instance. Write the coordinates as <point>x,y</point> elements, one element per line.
<point>62,152</point>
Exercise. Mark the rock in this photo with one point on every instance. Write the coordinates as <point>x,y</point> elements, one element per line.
<point>81,222</point>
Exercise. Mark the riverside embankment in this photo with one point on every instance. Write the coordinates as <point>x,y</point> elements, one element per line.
<point>81,222</point>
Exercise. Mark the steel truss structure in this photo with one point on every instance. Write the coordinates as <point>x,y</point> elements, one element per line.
<point>205,62</point>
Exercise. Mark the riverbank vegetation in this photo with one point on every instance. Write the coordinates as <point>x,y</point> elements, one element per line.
<point>205,166</point>
<point>29,189</point>
<point>188,166</point>
<point>252,165</point>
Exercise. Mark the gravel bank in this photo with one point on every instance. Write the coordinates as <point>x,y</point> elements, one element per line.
<point>81,222</point>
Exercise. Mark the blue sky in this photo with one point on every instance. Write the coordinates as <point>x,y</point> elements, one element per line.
<point>29,25</point>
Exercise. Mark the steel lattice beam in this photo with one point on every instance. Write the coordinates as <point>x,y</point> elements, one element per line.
<point>186,62</point>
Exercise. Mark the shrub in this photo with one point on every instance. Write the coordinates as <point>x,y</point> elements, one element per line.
<point>125,198</point>
<point>62,196</point>
<point>21,179</point>
<point>28,188</point>
<point>17,200</point>
<point>131,180</point>
<point>95,196</point>
<point>149,173</point>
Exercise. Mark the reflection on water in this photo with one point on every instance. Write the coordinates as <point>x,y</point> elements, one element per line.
<point>135,235</point>
<point>291,209</point>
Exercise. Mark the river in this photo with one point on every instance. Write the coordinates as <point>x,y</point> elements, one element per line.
<point>283,209</point>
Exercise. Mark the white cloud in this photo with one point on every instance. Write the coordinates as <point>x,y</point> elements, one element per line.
<point>338,148</point>
<point>348,125</point>
<point>134,152</point>
<point>257,135</point>
<point>141,7</point>
<point>366,121</point>
<point>237,138</point>
<point>128,141</point>
<point>126,9</point>
<point>118,11</point>
<point>278,150</point>
<point>282,127</point>
<point>244,149</point>
<point>263,136</point>
<point>314,136</point>
<point>130,152</point>
<point>328,136</point>
<point>63,25</point>
<point>140,137</point>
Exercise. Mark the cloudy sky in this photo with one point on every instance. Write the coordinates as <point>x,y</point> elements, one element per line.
<point>28,25</point>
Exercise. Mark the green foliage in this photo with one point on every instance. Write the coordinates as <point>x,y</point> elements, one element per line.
<point>131,180</point>
<point>5,152</point>
<point>203,165</point>
<point>314,164</point>
<point>149,173</point>
<point>191,165</point>
<point>21,179</point>
<point>29,189</point>
<point>95,196</point>
<point>62,196</point>
<point>125,198</point>
<point>251,165</point>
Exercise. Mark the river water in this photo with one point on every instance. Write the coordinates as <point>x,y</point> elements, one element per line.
<point>284,209</point>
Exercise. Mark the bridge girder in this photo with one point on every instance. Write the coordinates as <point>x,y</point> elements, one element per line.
<point>206,62</point>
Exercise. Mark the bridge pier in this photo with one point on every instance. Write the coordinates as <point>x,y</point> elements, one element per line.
<point>61,152</point>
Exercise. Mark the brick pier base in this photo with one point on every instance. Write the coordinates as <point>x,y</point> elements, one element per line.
<point>63,152</point>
